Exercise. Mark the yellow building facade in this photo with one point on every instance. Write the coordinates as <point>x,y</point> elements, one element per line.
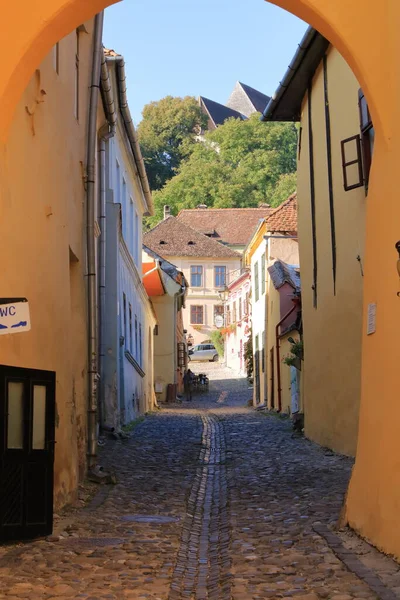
<point>366,35</point>
<point>42,230</point>
<point>331,225</point>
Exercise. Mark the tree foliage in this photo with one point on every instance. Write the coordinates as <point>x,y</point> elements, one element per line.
<point>239,164</point>
<point>167,135</point>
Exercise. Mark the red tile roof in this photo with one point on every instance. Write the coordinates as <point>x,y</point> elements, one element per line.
<point>109,52</point>
<point>172,237</point>
<point>233,226</point>
<point>284,218</point>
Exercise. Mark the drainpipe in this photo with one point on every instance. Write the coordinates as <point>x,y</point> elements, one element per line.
<point>278,358</point>
<point>91,243</point>
<point>106,132</point>
<point>131,132</point>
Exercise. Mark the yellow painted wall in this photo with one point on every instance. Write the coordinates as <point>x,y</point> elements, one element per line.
<point>332,330</point>
<point>164,344</point>
<point>350,27</point>
<point>42,233</point>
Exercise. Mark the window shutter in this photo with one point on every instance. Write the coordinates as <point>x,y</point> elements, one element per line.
<point>367,135</point>
<point>352,163</point>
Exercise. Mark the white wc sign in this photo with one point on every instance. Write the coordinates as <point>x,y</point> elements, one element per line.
<point>14,316</point>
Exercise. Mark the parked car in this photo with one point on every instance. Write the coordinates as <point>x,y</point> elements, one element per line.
<point>203,352</point>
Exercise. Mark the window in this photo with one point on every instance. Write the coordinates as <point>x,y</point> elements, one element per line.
<point>367,135</point>
<point>263,274</point>
<point>136,240</point>
<point>352,163</point>
<point>240,309</point>
<point>125,217</point>
<point>228,315</point>
<point>117,198</point>
<point>130,328</point>
<point>218,310</point>
<point>124,309</point>
<point>132,232</point>
<point>246,304</point>
<point>256,283</point>
<point>76,90</point>
<point>56,58</point>
<point>140,344</point>
<point>136,337</point>
<point>196,276</point>
<point>196,315</point>
<point>234,315</point>
<point>220,276</point>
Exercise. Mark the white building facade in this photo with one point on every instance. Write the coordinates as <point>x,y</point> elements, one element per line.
<point>238,323</point>
<point>126,352</point>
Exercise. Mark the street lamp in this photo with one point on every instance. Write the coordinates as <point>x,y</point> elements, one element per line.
<point>223,294</point>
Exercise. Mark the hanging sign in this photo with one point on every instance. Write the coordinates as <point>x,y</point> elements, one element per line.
<point>14,315</point>
<point>219,321</point>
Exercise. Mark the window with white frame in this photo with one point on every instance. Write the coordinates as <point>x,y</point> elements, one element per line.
<point>196,276</point>
<point>220,276</point>
<point>196,315</point>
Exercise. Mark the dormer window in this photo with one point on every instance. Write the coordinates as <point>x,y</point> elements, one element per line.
<point>162,242</point>
<point>190,243</point>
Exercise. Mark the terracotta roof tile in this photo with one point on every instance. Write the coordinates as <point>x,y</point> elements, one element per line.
<point>284,218</point>
<point>234,226</point>
<point>109,52</point>
<point>172,237</point>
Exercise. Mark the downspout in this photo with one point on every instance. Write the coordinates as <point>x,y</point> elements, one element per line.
<point>106,132</point>
<point>91,243</point>
<point>131,132</point>
<point>278,358</point>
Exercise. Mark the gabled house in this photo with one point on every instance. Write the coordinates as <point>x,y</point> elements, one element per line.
<point>232,227</point>
<point>283,324</point>
<point>207,265</point>
<point>334,156</point>
<point>167,288</point>
<point>274,238</point>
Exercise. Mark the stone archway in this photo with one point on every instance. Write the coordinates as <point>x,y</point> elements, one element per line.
<point>367,37</point>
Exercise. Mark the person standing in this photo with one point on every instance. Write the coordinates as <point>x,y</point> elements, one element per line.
<point>187,382</point>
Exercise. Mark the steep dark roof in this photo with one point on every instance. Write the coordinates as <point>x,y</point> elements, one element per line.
<point>282,273</point>
<point>172,237</point>
<point>219,113</point>
<point>285,104</point>
<point>258,99</point>
<point>234,226</point>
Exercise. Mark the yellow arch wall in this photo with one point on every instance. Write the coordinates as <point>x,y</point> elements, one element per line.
<point>366,34</point>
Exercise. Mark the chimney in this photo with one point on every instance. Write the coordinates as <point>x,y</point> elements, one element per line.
<point>202,206</point>
<point>167,211</point>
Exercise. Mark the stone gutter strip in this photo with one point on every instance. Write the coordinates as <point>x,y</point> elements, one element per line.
<point>353,563</point>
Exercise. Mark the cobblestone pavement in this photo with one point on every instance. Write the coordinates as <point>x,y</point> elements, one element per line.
<point>213,500</point>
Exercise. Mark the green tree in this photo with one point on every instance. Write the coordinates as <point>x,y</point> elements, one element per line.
<point>167,135</point>
<point>284,188</point>
<point>239,164</point>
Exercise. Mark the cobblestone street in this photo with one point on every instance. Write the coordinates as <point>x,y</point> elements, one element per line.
<point>213,500</point>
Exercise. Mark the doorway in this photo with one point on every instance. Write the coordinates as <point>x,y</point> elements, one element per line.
<point>27,406</point>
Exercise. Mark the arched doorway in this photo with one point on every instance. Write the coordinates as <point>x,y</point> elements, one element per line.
<point>367,38</point>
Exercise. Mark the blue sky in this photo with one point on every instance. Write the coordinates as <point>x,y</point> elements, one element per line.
<point>188,47</point>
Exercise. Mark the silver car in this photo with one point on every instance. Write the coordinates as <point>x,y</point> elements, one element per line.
<point>203,352</point>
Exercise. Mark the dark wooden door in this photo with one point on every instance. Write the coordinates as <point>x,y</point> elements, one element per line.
<point>27,411</point>
<point>257,375</point>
